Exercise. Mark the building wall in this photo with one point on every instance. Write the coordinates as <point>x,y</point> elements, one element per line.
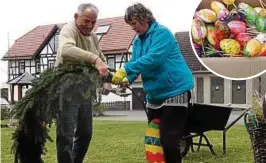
<point>227,91</point>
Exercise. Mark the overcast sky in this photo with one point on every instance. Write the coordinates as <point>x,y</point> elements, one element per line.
<point>20,16</point>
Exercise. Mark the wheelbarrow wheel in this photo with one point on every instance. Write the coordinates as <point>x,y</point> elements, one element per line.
<point>185,144</point>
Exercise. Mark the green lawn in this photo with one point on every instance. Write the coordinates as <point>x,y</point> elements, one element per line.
<point>122,142</point>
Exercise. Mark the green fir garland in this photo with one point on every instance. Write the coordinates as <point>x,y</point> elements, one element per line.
<point>42,102</point>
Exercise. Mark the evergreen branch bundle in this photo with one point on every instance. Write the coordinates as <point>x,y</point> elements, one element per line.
<point>43,101</point>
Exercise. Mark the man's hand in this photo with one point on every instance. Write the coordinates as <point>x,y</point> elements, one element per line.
<point>119,76</point>
<point>107,87</point>
<point>101,67</point>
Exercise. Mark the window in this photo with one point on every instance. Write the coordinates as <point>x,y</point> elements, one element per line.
<point>21,67</point>
<point>99,36</point>
<point>111,62</point>
<point>101,30</point>
<point>38,67</point>
<point>200,93</point>
<point>50,64</point>
<point>239,92</point>
<point>217,90</point>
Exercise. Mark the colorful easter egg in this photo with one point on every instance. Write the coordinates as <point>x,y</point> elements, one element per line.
<point>212,37</point>
<point>263,50</point>
<point>198,29</point>
<point>261,38</point>
<point>260,11</point>
<point>237,27</point>
<point>261,23</point>
<point>242,39</point>
<point>223,14</point>
<point>237,15</point>
<point>230,46</point>
<point>207,15</point>
<point>223,30</point>
<point>229,2</point>
<point>217,6</point>
<point>153,148</point>
<point>250,12</point>
<point>196,15</point>
<point>252,48</point>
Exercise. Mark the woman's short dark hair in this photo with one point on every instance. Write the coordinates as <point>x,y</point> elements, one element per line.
<point>140,12</point>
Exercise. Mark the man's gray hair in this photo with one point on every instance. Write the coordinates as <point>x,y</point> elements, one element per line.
<point>140,12</point>
<point>85,6</point>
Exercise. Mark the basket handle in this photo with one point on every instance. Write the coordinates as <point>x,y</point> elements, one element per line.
<point>251,118</point>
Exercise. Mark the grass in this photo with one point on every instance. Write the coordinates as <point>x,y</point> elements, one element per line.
<point>122,142</point>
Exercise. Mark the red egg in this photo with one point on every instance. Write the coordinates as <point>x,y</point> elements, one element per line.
<point>222,30</point>
<point>237,27</point>
<point>242,39</point>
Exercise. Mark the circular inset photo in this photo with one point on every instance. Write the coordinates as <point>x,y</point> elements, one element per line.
<point>229,37</point>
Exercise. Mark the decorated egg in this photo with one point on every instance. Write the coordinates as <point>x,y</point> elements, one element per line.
<point>237,27</point>
<point>198,29</point>
<point>252,48</point>
<point>217,6</point>
<point>153,148</point>
<point>261,23</point>
<point>212,37</point>
<point>229,2</point>
<point>196,15</point>
<point>261,38</point>
<point>207,15</point>
<point>251,14</point>
<point>263,50</point>
<point>260,11</point>
<point>237,15</point>
<point>242,39</point>
<point>230,46</point>
<point>223,31</point>
<point>198,49</point>
<point>223,14</point>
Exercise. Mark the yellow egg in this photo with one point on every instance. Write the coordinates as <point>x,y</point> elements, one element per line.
<point>230,46</point>
<point>207,15</point>
<point>229,2</point>
<point>217,6</point>
<point>252,48</point>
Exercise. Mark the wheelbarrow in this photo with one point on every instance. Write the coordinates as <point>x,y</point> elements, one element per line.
<point>203,118</point>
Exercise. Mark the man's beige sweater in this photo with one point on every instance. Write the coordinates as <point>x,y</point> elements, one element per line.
<point>76,48</point>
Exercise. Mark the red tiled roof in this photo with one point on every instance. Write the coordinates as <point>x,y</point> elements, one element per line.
<point>118,38</point>
<point>30,43</point>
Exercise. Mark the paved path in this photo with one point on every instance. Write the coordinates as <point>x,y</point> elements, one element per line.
<point>141,116</point>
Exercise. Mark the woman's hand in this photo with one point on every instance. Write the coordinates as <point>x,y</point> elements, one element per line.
<point>119,76</point>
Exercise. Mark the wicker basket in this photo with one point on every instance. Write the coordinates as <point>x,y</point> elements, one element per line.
<point>258,139</point>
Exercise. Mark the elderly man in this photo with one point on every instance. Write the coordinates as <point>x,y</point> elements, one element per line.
<point>77,44</point>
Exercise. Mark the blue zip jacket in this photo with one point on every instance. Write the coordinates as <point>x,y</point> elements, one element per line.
<point>157,57</point>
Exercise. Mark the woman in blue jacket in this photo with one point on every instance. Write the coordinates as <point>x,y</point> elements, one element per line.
<point>167,80</point>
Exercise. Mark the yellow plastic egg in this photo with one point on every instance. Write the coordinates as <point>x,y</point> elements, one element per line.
<point>207,15</point>
<point>230,46</point>
<point>217,6</point>
<point>252,48</point>
<point>229,2</point>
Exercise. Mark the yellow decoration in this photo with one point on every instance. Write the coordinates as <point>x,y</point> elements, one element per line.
<point>229,2</point>
<point>230,47</point>
<point>217,6</point>
<point>207,15</point>
<point>253,48</point>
